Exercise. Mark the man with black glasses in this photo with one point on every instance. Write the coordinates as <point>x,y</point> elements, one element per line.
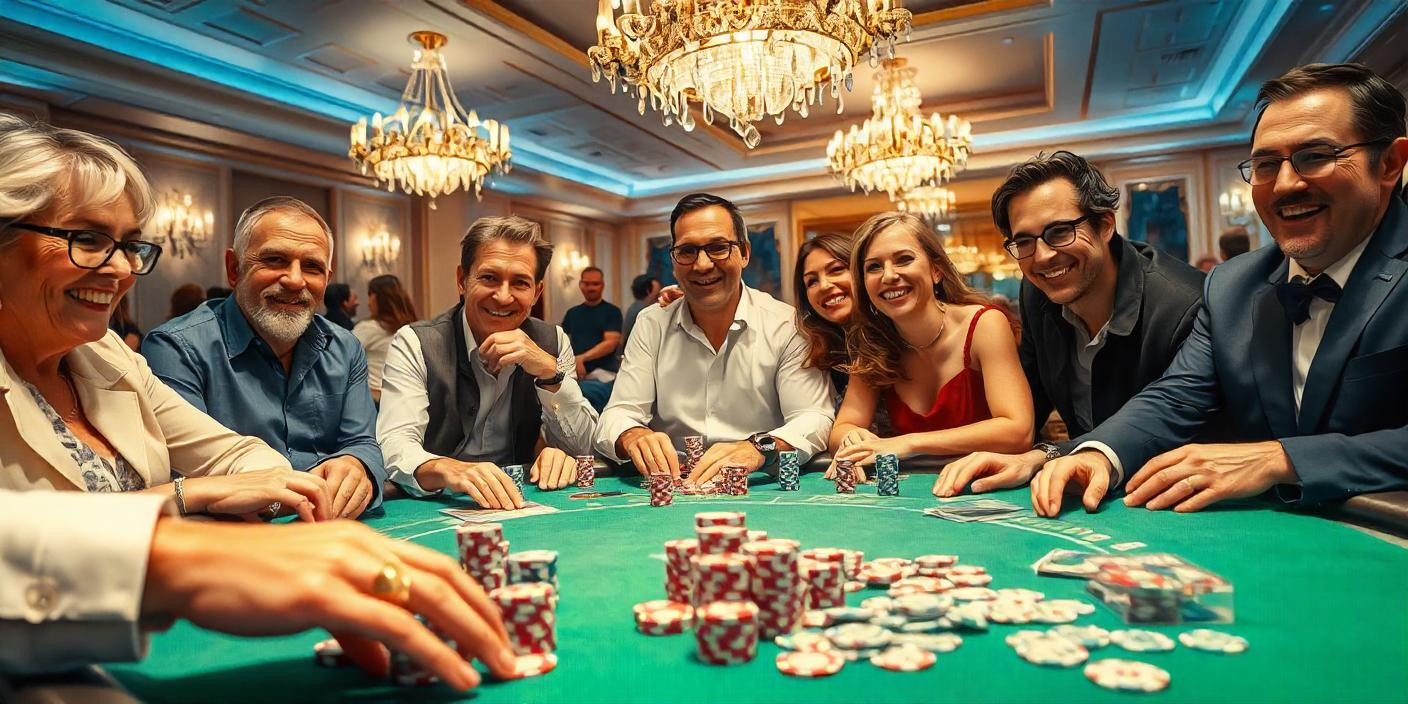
<point>1101,316</point>
<point>725,363</point>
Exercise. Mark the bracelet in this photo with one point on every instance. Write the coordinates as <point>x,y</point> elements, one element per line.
<point>180,496</point>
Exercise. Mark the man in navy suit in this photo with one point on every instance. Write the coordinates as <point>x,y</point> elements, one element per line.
<point>1304,346</point>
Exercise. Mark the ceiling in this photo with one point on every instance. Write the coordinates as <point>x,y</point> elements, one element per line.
<point>1108,77</point>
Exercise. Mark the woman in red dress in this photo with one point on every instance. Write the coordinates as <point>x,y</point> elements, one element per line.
<point>939,358</point>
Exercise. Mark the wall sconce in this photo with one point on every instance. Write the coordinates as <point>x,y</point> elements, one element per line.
<point>381,250</point>
<point>573,266</point>
<point>179,226</point>
<point>1236,207</point>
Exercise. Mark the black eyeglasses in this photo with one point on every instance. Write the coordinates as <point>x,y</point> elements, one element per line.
<point>1311,162</point>
<point>687,254</point>
<point>1057,234</point>
<point>90,249</point>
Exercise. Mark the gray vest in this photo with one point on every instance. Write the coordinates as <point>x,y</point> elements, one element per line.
<point>454,392</point>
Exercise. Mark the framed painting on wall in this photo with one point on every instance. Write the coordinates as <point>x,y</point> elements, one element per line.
<point>1158,215</point>
<point>764,270</point>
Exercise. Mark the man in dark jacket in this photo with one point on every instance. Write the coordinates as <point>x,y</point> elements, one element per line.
<point>1101,316</point>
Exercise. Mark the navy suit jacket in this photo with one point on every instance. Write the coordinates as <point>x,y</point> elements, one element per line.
<point>1351,435</point>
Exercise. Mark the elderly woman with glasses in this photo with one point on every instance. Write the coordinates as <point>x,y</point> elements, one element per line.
<point>81,411</point>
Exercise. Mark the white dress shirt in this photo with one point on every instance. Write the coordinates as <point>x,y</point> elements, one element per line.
<point>73,566</point>
<point>673,381</point>
<point>1305,338</point>
<point>568,418</point>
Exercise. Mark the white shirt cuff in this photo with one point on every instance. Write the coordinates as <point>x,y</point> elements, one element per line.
<point>1109,455</point>
<point>403,473</point>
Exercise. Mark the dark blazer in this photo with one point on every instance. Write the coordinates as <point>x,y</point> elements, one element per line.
<point>1166,293</point>
<point>1351,435</point>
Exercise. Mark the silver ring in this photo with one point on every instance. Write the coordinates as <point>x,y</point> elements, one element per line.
<point>273,509</point>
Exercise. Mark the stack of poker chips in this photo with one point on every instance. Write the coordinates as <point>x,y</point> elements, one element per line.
<point>1139,595</point>
<point>845,477</point>
<point>529,612</point>
<point>662,490</point>
<point>887,475</point>
<point>754,535</point>
<point>533,566</point>
<point>934,565</point>
<point>727,632</point>
<point>679,571</point>
<point>789,471</point>
<point>716,540</point>
<point>826,583</point>
<point>404,670</point>
<point>735,480</point>
<point>586,471</point>
<point>515,472</point>
<point>693,450</point>
<point>720,518</point>
<point>726,577</point>
<point>483,552</point>
<point>778,589</point>
<point>851,561</point>
<point>660,617</point>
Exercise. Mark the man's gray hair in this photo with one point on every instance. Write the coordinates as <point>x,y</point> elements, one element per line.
<point>249,219</point>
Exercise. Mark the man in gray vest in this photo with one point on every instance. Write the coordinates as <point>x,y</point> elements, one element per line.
<point>484,385</point>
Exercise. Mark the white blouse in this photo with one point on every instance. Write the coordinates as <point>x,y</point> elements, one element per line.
<point>376,341</point>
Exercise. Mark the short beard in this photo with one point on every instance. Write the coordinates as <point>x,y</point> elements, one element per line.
<point>272,325</point>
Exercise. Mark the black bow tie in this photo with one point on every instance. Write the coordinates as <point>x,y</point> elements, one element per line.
<point>1296,295</point>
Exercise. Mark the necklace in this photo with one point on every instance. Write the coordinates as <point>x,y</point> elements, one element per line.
<point>73,395</point>
<point>943,323</point>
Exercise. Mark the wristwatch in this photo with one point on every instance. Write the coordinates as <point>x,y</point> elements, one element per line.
<point>553,380</point>
<point>1052,451</point>
<point>766,446</point>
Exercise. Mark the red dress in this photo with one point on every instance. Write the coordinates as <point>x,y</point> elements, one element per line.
<point>961,401</point>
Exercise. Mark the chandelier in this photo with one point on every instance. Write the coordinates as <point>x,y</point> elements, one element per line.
<point>933,202</point>
<point>179,226</point>
<point>742,59</point>
<point>896,149</point>
<point>429,146</point>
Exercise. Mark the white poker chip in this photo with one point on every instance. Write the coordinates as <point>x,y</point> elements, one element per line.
<point>1091,637</point>
<point>1011,612</point>
<point>933,642</point>
<point>1138,640</point>
<point>1084,608</point>
<point>1051,650</point>
<point>858,636</point>
<point>903,658</point>
<point>969,580</point>
<point>922,607</point>
<point>1127,675</point>
<point>1213,641</point>
<point>972,594</point>
<point>809,663</point>
<point>878,604</point>
<point>803,641</point>
<point>972,615</point>
<point>1047,613</point>
<point>925,626</point>
<point>1017,594</point>
<point>892,622</point>
<point>1016,638</point>
<point>849,614</point>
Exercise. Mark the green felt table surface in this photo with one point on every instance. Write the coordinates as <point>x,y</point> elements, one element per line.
<point>1325,607</point>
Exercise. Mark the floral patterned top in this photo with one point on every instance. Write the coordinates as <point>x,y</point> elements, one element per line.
<point>98,473</point>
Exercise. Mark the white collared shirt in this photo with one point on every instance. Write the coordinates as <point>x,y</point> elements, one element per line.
<point>673,381</point>
<point>568,418</point>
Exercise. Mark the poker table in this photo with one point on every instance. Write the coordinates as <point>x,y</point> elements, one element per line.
<point>1324,606</point>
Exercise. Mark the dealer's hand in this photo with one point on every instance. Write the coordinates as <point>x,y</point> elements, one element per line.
<point>1193,477</point>
<point>650,451</point>
<point>515,347</point>
<point>553,469</point>
<point>1086,473</point>
<point>988,471</point>
<point>482,481</point>
<point>349,484</point>
<point>726,454</point>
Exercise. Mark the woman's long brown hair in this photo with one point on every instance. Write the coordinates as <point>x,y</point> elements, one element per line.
<point>826,341</point>
<point>872,340</point>
<point>393,304</point>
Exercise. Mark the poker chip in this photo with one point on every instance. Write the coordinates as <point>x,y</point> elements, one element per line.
<point>1137,640</point>
<point>967,570</point>
<point>663,617</point>
<point>903,658</point>
<point>799,663</point>
<point>924,626</point>
<point>1091,637</point>
<point>1013,594</point>
<point>534,664</point>
<point>1047,649</point>
<point>969,580</point>
<point>858,636</point>
<point>933,642</point>
<point>922,607</point>
<point>935,562</point>
<point>858,655</point>
<point>1011,612</point>
<point>972,594</point>
<point>805,641</point>
<point>878,603</point>
<point>1127,675</point>
<point>726,632</point>
<point>853,586</point>
<point>329,653</point>
<point>1083,608</point>
<point>920,585</point>
<point>892,622</point>
<point>1213,641</point>
<point>972,615</point>
<point>849,614</point>
<point>815,619</point>
<point>1046,612</point>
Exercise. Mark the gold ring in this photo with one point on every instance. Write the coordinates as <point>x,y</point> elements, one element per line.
<point>392,584</point>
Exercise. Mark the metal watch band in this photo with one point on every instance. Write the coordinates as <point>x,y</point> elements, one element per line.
<point>180,496</point>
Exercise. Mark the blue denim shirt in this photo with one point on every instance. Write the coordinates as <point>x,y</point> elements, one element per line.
<point>321,409</point>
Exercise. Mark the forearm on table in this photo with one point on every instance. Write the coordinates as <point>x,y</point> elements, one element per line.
<point>1001,435</point>
<point>1332,466</point>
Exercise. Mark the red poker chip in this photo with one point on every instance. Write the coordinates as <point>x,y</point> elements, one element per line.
<point>904,658</point>
<point>534,664</point>
<point>810,663</point>
<point>661,617</point>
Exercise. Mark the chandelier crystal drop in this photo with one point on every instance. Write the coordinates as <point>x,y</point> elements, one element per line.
<point>897,149</point>
<point>430,146</point>
<point>744,60</point>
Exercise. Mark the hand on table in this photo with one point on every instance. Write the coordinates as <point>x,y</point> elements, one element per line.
<point>482,481</point>
<point>726,454</point>
<point>1086,473</point>
<point>276,580</point>
<point>553,469</point>
<point>650,451</point>
<point>515,347</point>
<point>670,294</point>
<point>988,471</point>
<point>248,494</point>
<point>864,452</point>
<point>1193,477</point>
<point>349,484</point>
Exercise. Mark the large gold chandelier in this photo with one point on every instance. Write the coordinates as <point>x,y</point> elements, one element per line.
<point>897,149</point>
<point>934,202</point>
<point>429,146</point>
<point>742,59</point>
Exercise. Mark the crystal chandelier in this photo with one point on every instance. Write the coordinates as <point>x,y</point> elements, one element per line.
<point>896,149</point>
<point>742,59</point>
<point>179,226</point>
<point>933,202</point>
<point>429,146</point>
